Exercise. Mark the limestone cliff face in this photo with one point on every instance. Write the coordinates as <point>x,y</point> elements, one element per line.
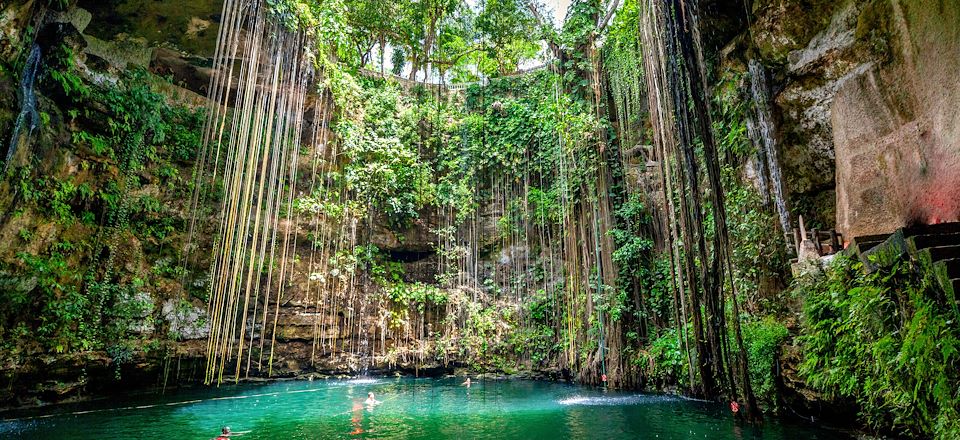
<point>896,125</point>
<point>319,328</point>
<point>866,92</point>
<point>188,26</point>
<point>53,158</point>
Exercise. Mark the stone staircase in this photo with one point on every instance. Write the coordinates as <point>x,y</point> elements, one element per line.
<point>935,248</point>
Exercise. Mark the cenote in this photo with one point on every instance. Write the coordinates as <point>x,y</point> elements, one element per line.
<point>749,209</point>
<point>410,409</point>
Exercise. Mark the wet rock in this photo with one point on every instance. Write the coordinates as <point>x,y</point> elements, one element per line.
<point>185,320</point>
<point>189,26</point>
<point>197,26</point>
<point>838,36</point>
<point>122,52</point>
<point>78,17</point>
<point>420,236</point>
<point>188,72</point>
<point>862,92</point>
<point>780,27</point>
<point>138,306</point>
<point>423,268</point>
<point>814,74</point>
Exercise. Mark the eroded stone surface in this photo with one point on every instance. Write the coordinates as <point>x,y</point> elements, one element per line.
<point>864,96</point>
<point>896,127</point>
<point>191,26</point>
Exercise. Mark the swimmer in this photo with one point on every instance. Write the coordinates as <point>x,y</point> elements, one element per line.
<point>226,433</point>
<point>371,400</point>
<point>466,383</point>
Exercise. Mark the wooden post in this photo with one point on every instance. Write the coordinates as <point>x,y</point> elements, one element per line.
<point>816,241</point>
<point>797,239</point>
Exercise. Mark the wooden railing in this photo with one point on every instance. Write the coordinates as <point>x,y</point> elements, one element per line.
<point>827,242</point>
<point>458,87</point>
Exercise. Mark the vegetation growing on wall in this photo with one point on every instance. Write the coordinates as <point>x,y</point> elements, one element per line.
<point>886,340</point>
<point>564,240</point>
<point>98,232</point>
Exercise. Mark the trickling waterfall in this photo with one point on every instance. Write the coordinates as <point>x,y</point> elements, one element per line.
<point>28,105</point>
<point>763,133</point>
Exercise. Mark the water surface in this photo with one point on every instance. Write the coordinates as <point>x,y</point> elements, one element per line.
<point>410,409</point>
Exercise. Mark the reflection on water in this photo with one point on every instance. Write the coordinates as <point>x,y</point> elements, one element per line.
<point>363,381</point>
<point>410,409</point>
<point>614,400</point>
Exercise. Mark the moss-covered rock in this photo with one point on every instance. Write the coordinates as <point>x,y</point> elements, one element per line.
<point>190,26</point>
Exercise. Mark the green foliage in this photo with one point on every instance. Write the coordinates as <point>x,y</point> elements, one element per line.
<point>666,361</point>
<point>323,21</point>
<point>45,299</point>
<point>658,280</point>
<point>398,60</point>
<point>762,340</point>
<point>69,81</point>
<point>381,145</point>
<point>416,294</point>
<point>520,126</point>
<point>60,199</point>
<point>633,245</point>
<point>492,37</point>
<point>756,238</point>
<point>507,26</point>
<point>886,340</point>
<point>545,207</point>
<point>623,65</point>
<point>535,340</point>
<point>63,321</point>
<point>124,137</point>
<point>477,341</point>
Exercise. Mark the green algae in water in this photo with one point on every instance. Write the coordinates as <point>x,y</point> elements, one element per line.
<point>410,409</point>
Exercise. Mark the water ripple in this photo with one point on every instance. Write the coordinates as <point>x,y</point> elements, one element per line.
<point>636,399</point>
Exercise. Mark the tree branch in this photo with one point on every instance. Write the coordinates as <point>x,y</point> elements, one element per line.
<point>535,11</point>
<point>455,59</point>
<point>606,19</point>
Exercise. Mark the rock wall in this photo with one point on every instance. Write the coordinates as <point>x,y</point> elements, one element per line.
<point>319,329</point>
<point>865,92</point>
<point>896,125</point>
<point>188,26</point>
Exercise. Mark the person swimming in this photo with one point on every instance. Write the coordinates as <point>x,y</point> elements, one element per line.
<point>224,433</point>
<point>466,383</point>
<point>371,400</point>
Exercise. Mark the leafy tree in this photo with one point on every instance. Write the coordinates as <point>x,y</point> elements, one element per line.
<point>508,31</point>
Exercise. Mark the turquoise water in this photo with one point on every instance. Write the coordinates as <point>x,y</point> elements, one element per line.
<point>410,409</point>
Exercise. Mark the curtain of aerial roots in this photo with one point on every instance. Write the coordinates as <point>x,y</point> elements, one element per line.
<point>573,255</point>
<point>262,73</point>
<point>681,121</point>
<point>586,253</point>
